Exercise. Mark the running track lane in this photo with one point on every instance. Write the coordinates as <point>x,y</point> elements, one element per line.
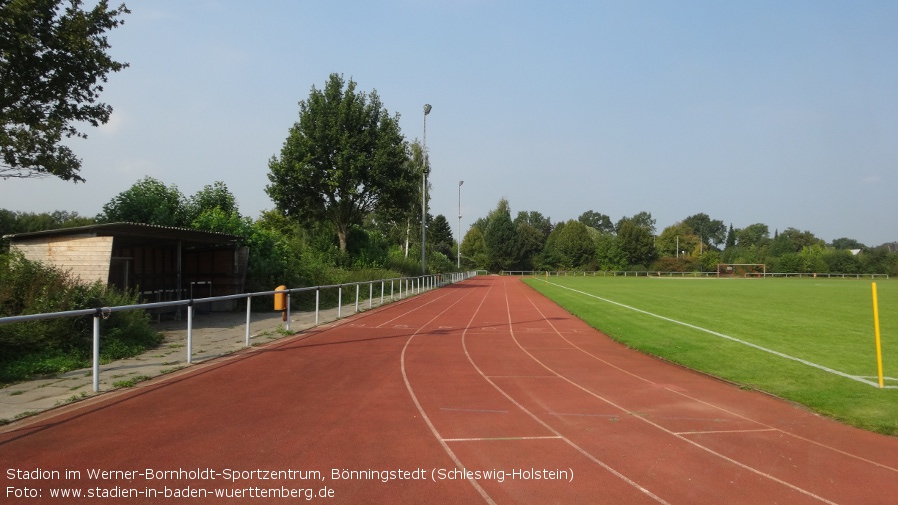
<point>486,375</point>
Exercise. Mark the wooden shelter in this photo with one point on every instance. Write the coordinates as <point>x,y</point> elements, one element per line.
<point>160,262</point>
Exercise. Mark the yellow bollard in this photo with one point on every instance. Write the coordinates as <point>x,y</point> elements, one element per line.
<point>878,340</point>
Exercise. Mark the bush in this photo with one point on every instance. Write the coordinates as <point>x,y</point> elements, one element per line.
<point>57,345</point>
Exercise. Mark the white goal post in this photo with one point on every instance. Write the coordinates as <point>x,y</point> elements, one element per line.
<point>741,270</point>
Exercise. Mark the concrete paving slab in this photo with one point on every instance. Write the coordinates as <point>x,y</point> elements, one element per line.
<point>214,336</point>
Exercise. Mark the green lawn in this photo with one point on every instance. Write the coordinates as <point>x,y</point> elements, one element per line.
<point>827,322</point>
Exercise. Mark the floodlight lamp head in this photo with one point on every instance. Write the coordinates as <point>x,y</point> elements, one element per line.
<point>427,108</point>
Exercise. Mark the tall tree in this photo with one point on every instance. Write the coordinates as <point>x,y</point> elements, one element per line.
<point>608,253</point>
<point>571,246</point>
<point>532,230</point>
<point>536,220</point>
<point>439,236</point>
<point>710,231</point>
<point>343,159</point>
<point>756,235</point>
<point>500,238</point>
<point>731,238</point>
<point>53,63</point>
<point>211,197</point>
<point>643,220</point>
<point>147,201</point>
<point>677,240</point>
<point>847,243</point>
<point>636,241</point>
<point>597,220</point>
<point>473,249</point>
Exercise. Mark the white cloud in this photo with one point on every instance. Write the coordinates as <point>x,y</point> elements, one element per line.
<point>870,179</point>
<point>116,120</point>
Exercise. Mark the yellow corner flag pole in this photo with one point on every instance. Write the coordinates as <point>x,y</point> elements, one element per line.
<point>876,331</point>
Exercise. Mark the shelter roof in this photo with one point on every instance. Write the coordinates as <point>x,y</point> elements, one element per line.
<point>134,233</point>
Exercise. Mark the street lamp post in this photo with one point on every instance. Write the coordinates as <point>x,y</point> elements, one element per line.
<point>424,173</point>
<point>458,254</point>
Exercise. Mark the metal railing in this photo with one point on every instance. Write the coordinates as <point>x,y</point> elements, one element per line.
<point>399,288</point>
<point>653,273</point>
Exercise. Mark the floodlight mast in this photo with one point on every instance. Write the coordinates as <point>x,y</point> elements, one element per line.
<point>424,173</point>
<point>458,242</point>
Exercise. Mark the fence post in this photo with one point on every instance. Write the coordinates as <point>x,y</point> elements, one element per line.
<point>317,298</point>
<point>96,357</point>
<point>370,294</point>
<point>339,301</point>
<point>357,298</point>
<point>288,312</point>
<point>249,300</point>
<point>190,332</point>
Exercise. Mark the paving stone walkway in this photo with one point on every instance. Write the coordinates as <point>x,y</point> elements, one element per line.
<point>214,335</point>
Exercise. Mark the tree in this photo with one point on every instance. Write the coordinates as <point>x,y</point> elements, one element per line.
<point>473,248</point>
<point>536,220</point>
<point>847,243</point>
<point>343,159</point>
<point>532,230</point>
<point>731,238</point>
<point>710,231</point>
<point>440,236</point>
<point>571,245</point>
<point>596,220</point>
<point>147,201</point>
<point>500,238</point>
<point>636,242</point>
<point>215,196</point>
<point>608,253</point>
<point>791,240</point>
<point>529,243</point>
<point>53,64</point>
<point>23,222</point>
<point>643,220</point>
<point>754,235</point>
<point>269,262</point>
<point>679,235</point>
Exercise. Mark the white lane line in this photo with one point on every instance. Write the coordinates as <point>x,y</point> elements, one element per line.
<point>475,410</point>
<point>566,414</point>
<point>498,439</point>
<point>523,376</point>
<point>733,339</point>
<point>533,416</point>
<point>700,432</point>
<point>486,497</point>
<point>648,421</point>
<point>722,409</point>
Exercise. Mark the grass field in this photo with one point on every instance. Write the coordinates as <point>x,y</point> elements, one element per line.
<point>828,324</point>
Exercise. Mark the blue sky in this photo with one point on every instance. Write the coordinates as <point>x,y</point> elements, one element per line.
<point>776,112</point>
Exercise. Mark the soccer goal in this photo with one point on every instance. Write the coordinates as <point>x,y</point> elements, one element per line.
<point>741,270</point>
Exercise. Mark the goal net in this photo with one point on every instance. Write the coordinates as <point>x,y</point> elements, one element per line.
<point>741,270</point>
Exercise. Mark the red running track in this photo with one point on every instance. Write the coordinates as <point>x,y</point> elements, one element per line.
<point>481,392</point>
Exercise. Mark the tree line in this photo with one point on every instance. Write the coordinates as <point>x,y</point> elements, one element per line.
<point>593,241</point>
<point>347,193</point>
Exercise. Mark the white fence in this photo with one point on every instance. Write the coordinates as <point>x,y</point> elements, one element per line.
<point>387,289</point>
<point>643,273</point>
